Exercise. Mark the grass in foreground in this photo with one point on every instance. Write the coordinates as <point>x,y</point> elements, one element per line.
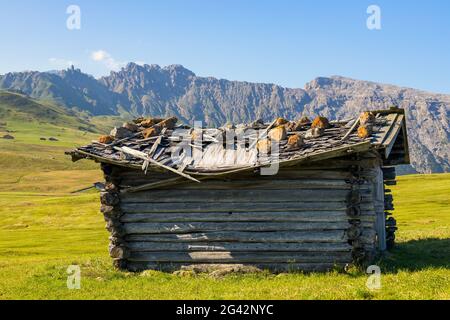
<point>42,233</point>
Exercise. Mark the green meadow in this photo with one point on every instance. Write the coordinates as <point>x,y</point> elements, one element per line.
<point>44,231</point>
<point>45,227</point>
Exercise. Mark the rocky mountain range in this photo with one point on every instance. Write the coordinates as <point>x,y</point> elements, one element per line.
<point>174,90</point>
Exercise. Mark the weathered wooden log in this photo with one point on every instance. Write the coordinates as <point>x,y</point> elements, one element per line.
<point>242,257</point>
<point>332,236</point>
<point>118,232</point>
<point>112,224</point>
<point>120,264</point>
<point>238,207</point>
<point>118,252</point>
<point>356,244</point>
<point>301,216</point>
<point>239,247</point>
<point>137,185</point>
<point>273,267</point>
<point>359,255</point>
<point>354,211</point>
<point>117,241</point>
<point>390,182</point>
<point>318,215</point>
<point>287,173</point>
<point>180,228</point>
<point>295,195</point>
<point>109,198</point>
<point>111,187</point>
<point>354,197</point>
<point>353,232</point>
<point>111,212</point>
<point>282,184</point>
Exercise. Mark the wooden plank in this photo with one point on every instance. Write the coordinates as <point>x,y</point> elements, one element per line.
<point>143,156</point>
<point>155,146</point>
<point>350,131</point>
<point>135,266</point>
<point>301,216</point>
<point>239,257</point>
<point>380,136</point>
<point>405,143</point>
<point>378,195</point>
<point>284,173</point>
<point>237,207</point>
<point>190,227</point>
<point>238,247</point>
<point>185,196</point>
<point>393,134</point>
<point>141,184</point>
<point>332,236</point>
<point>276,184</point>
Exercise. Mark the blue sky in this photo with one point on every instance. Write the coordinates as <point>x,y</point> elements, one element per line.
<point>283,42</point>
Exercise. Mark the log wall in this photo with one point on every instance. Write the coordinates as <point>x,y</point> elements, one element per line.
<point>316,217</point>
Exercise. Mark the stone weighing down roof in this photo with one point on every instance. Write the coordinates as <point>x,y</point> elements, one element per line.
<point>150,144</point>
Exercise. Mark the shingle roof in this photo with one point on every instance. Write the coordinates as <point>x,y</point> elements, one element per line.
<point>211,156</point>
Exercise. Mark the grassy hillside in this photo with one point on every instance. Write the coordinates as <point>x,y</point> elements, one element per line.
<point>14,106</point>
<point>43,233</point>
<point>33,164</point>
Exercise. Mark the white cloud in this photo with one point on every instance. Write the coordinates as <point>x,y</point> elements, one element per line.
<point>61,63</point>
<point>106,59</point>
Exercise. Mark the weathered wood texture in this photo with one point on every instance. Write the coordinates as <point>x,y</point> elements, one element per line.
<point>274,267</point>
<point>294,216</point>
<point>238,247</point>
<point>163,207</point>
<point>307,218</point>
<point>241,257</point>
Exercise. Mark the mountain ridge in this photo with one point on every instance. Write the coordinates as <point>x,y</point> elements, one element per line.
<point>174,90</point>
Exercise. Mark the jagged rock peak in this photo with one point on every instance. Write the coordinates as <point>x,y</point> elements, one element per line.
<point>179,70</point>
<point>319,83</point>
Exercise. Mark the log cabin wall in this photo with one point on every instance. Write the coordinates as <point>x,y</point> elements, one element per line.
<point>311,218</point>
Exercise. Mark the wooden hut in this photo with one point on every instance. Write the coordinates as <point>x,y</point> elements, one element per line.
<point>327,206</point>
